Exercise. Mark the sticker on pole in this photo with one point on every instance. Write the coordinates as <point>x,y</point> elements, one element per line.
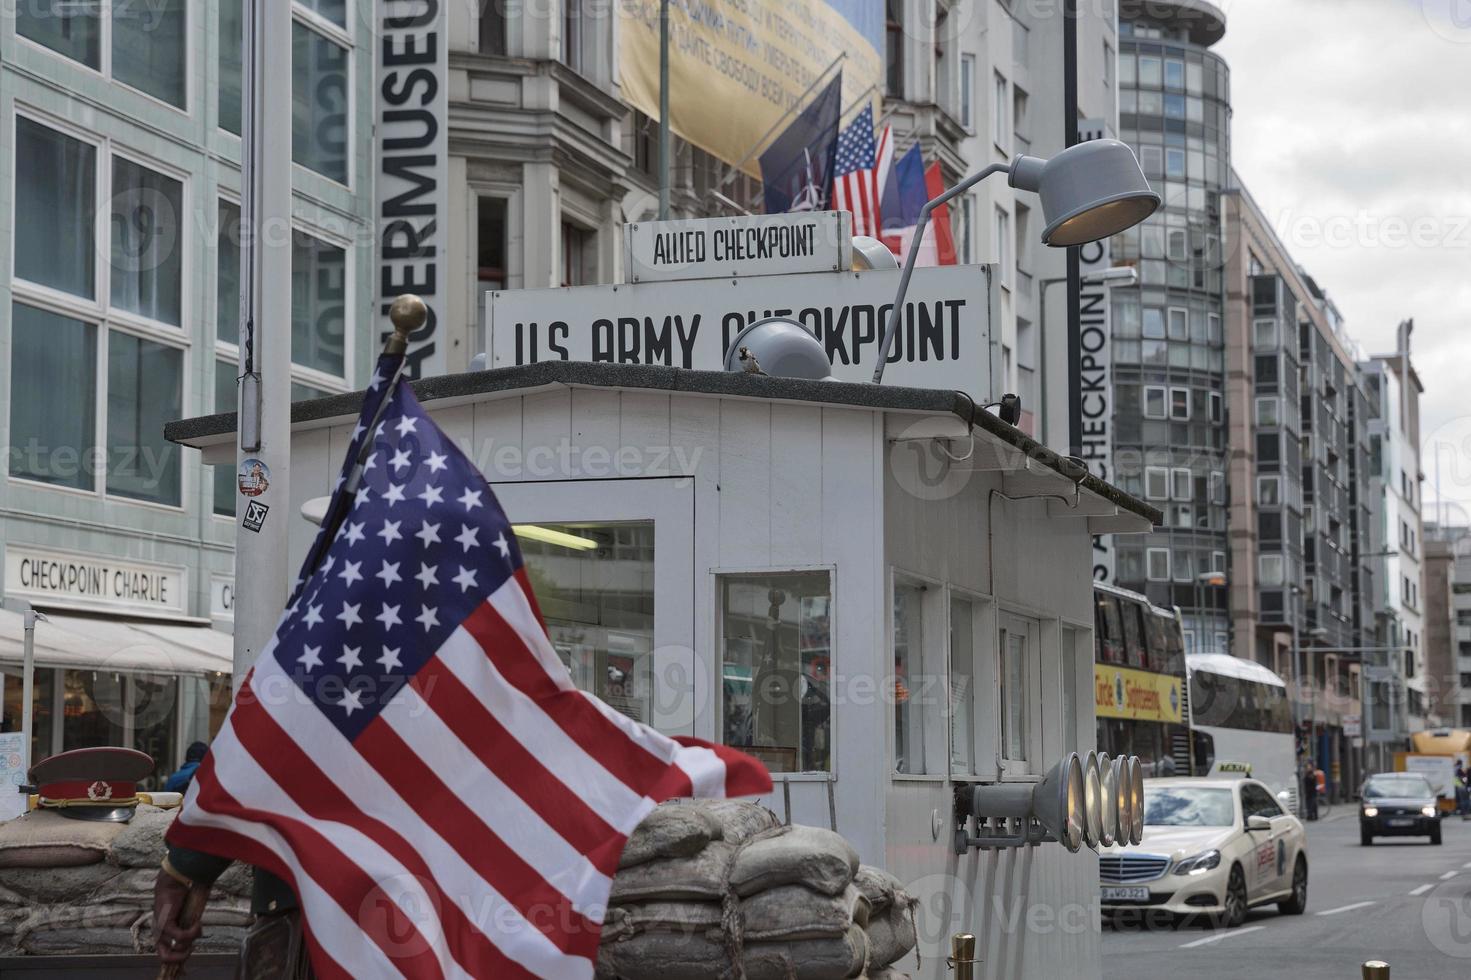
<point>254,477</point>
<point>255,516</point>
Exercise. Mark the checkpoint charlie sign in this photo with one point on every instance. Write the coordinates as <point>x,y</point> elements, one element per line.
<point>949,335</point>
<point>719,248</point>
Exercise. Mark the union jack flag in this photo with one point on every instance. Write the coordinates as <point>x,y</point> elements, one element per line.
<point>409,752</point>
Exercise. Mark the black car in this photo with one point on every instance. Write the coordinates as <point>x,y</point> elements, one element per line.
<point>1398,804</point>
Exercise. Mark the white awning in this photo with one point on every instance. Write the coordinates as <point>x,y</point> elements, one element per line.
<point>114,644</point>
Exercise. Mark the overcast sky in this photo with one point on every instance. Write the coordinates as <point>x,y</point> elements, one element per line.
<point>1352,129</point>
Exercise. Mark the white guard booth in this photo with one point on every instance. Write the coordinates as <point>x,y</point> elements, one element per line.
<point>883,592</point>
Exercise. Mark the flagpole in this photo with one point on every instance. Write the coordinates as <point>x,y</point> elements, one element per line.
<point>756,147</point>
<point>663,110</point>
<point>262,577</point>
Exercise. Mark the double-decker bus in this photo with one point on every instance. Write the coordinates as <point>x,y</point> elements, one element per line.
<point>1139,685</point>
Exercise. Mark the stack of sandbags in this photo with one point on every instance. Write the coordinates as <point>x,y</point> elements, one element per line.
<point>891,927</point>
<point>704,884</point>
<point>80,886</point>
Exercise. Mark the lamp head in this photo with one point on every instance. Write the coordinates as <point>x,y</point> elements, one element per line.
<point>1089,191</point>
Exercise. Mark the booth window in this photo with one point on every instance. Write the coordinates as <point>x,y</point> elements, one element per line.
<point>963,660</point>
<point>919,729</point>
<point>595,586</point>
<point>776,666</point>
<point>1017,646</point>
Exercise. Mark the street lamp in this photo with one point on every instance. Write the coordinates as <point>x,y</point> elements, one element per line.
<point>1114,276</point>
<point>1089,191</point>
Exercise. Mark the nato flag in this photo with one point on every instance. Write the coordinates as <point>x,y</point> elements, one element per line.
<point>797,168</point>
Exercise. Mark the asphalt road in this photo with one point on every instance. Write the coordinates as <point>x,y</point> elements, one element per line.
<point>1402,901</point>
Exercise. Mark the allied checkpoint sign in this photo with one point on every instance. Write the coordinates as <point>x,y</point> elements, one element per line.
<point>949,335</point>
<point>747,245</point>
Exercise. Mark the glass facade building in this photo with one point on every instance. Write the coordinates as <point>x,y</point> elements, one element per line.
<point>1168,346</point>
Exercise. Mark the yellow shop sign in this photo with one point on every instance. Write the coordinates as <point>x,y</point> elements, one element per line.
<point>1119,692</point>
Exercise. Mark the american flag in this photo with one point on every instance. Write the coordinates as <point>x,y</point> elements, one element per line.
<point>409,752</point>
<point>855,181</point>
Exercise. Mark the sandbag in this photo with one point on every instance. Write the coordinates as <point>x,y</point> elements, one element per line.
<point>670,830</point>
<point>683,918</point>
<point>238,879</point>
<point>885,973</point>
<point>890,934</point>
<point>738,820</point>
<point>796,855</point>
<point>131,886</point>
<point>699,957</point>
<point>878,886</point>
<point>45,886</point>
<point>46,839</point>
<point>140,845</point>
<point>789,912</point>
<point>671,879</point>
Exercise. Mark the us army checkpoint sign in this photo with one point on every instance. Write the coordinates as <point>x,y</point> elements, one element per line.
<point>949,335</point>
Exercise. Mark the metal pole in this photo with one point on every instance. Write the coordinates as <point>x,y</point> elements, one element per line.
<point>28,683</point>
<point>1074,261</point>
<point>663,110</point>
<point>262,577</point>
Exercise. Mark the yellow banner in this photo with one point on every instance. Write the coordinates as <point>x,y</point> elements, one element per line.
<point>735,66</point>
<point>1120,692</point>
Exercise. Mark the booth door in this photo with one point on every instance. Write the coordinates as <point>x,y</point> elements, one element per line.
<point>612,566</point>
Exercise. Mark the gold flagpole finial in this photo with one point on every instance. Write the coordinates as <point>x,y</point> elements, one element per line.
<point>408,314</point>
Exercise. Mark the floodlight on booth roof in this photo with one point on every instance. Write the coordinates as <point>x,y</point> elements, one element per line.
<point>1089,192</point>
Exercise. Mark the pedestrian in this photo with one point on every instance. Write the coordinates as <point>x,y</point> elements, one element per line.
<point>1310,791</point>
<point>180,780</point>
<point>1463,792</point>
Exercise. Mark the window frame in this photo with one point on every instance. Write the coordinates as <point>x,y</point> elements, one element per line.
<point>1156,472</point>
<point>1001,128</point>
<point>1267,479</point>
<point>315,377</point>
<point>934,723</point>
<point>1007,767</point>
<point>329,31</point>
<point>104,68</point>
<point>1149,555</point>
<point>1275,402</point>
<point>99,311</point>
<point>1178,473</point>
<point>1175,391</point>
<point>1164,398</point>
<point>967,105</point>
<point>980,679</point>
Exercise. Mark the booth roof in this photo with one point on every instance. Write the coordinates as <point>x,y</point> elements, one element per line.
<point>213,429</point>
<point>88,643</point>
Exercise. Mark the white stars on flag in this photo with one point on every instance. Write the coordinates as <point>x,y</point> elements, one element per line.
<point>428,534</point>
<point>465,579</point>
<point>401,458</point>
<point>354,532</point>
<point>394,494</point>
<point>349,616</point>
<point>389,531</point>
<point>313,616</point>
<point>351,572</point>
<point>350,658</point>
<point>310,657</point>
<point>431,495</point>
<point>388,617</point>
<point>428,618</point>
<point>467,536</point>
<point>426,575</point>
<point>406,425</point>
<point>351,701</point>
<point>436,461</point>
<point>388,573</point>
<point>389,660</point>
<point>470,499</point>
<point>503,546</point>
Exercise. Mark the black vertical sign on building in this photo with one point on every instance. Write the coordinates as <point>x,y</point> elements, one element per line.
<point>1096,381</point>
<point>411,153</point>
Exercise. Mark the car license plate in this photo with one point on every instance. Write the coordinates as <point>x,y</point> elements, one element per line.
<point>1118,894</point>
<point>1401,822</point>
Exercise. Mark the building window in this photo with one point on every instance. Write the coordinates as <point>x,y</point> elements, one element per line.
<point>964,651</point>
<point>318,306</point>
<point>1174,163</point>
<point>1218,561</point>
<point>1002,245</point>
<point>579,255</point>
<point>1264,333</point>
<point>1108,64</point>
<point>1157,564</point>
<point>1266,411</point>
<point>1269,571</point>
<point>1151,158</point>
<point>1001,123</point>
<point>493,26</point>
<point>1016,646</point>
<point>918,667</point>
<point>227,273</point>
<point>1153,324</point>
<point>146,50</point>
<point>967,90</point>
<point>1269,491</point>
<point>1019,112</point>
<point>572,34</point>
<point>1179,324</point>
<point>1180,404</point>
<point>776,653</point>
<point>89,394</point>
<point>1182,486</point>
<point>320,123</point>
<point>1218,487</point>
<point>232,55</point>
<point>1156,483</point>
<point>1217,415</point>
<point>1154,402</point>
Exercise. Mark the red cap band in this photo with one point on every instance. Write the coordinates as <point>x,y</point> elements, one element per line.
<point>89,791</point>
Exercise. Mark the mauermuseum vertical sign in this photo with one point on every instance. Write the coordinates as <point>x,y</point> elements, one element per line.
<point>411,151</point>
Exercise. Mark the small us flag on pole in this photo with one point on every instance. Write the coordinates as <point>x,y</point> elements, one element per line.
<point>409,752</point>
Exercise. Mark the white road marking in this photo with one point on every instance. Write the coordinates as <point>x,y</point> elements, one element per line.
<point>1447,876</point>
<point>1422,890</point>
<point>1222,935</point>
<point>1346,908</point>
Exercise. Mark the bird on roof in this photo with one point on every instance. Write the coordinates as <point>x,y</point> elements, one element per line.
<point>749,364</point>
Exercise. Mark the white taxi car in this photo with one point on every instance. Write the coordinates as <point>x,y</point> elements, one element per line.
<point>1213,847</point>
